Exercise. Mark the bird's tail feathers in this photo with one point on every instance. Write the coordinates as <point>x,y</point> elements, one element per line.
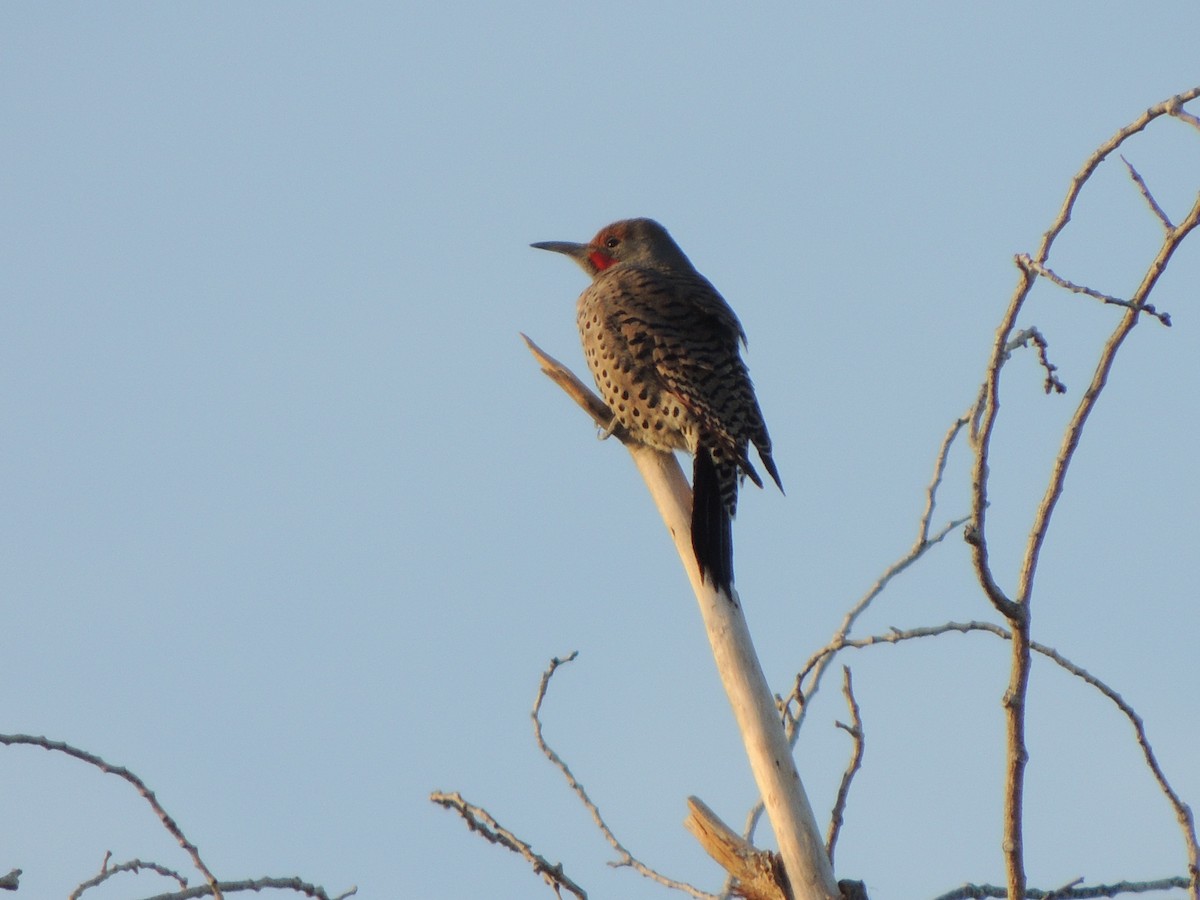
<point>769,463</point>
<point>712,528</point>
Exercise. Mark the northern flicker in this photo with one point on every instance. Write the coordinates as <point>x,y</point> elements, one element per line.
<point>662,345</point>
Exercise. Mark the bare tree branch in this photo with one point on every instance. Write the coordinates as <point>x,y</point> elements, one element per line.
<point>231,887</point>
<point>1100,377</point>
<point>139,785</point>
<point>481,822</point>
<point>988,405</point>
<point>1014,699</point>
<point>1027,336</point>
<point>801,694</point>
<point>983,424</point>
<point>1182,114</point>
<point>1172,106</point>
<point>813,671</point>
<point>134,866</point>
<point>939,472</point>
<point>1183,813</point>
<point>1146,195</point>
<point>855,730</point>
<point>754,874</point>
<point>1024,261</point>
<point>980,891</point>
<point>625,858</point>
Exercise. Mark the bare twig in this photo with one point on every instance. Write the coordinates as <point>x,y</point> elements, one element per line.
<point>1014,699</point>
<point>983,424</point>
<point>480,821</point>
<point>1099,379</point>
<point>1049,274</point>
<point>1172,106</point>
<point>625,858</point>
<point>1146,195</point>
<point>134,866</point>
<point>812,672</point>
<point>231,887</point>
<point>980,891</point>
<point>987,406</point>
<point>983,421</point>
<point>1027,336</point>
<point>855,730</point>
<point>139,785</point>
<point>1184,116</point>
<point>1183,812</point>
<point>939,471</point>
<point>808,679</point>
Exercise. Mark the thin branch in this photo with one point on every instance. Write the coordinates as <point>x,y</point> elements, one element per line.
<point>1027,336</point>
<point>855,730</point>
<point>1087,403</point>
<point>1183,813</point>
<point>1146,195</point>
<point>939,471</point>
<point>481,822</point>
<point>134,866</point>
<point>984,420</point>
<point>814,669</point>
<point>980,891</point>
<point>231,887</point>
<point>1024,260</point>
<point>1184,116</point>
<point>139,785</point>
<point>625,858</point>
<point>1172,106</point>
<point>987,406</point>
<point>1137,303</point>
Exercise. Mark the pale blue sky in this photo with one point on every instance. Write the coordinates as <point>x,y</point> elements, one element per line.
<point>290,524</point>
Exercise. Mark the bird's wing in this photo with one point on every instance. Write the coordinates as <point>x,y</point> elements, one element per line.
<point>686,330</point>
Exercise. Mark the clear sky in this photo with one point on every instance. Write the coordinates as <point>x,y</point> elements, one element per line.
<point>290,524</point>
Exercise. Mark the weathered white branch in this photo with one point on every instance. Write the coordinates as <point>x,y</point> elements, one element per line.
<point>809,872</point>
<point>758,872</point>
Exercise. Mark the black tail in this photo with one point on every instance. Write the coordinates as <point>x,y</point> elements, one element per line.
<point>712,530</point>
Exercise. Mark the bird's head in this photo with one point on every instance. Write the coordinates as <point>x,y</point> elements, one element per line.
<point>640,242</point>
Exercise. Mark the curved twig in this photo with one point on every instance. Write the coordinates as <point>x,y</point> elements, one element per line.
<point>625,858</point>
<point>139,785</point>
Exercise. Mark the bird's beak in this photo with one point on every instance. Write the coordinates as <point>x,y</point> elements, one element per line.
<point>577,252</point>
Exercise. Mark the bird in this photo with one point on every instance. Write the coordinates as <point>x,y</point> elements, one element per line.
<point>664,349</point>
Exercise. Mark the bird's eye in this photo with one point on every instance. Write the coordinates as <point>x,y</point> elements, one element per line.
<point>612,243</point>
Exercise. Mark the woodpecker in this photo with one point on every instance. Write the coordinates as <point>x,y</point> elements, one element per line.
<point>663,346</point>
